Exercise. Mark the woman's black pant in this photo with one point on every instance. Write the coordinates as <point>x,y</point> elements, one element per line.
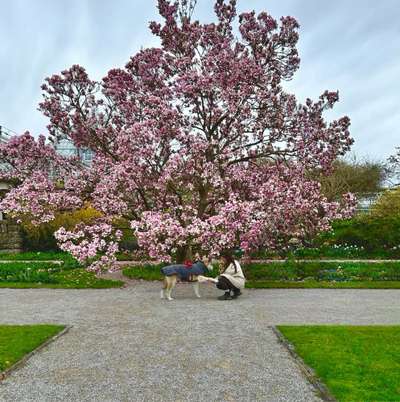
<point>224,284</point>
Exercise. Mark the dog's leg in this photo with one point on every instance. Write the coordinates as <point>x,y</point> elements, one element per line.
<point>162,293</point>
<point>196,289</point>
<point>170,286</point>
<point>168,292</point>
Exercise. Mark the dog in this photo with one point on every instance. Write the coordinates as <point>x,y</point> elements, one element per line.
<point>185,273</point>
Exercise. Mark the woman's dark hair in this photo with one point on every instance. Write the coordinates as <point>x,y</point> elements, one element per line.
<point>229,259</point>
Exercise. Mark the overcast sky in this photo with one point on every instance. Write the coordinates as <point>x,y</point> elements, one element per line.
<point>353,46</point>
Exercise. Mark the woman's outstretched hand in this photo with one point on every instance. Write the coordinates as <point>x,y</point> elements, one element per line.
<point>202,278</point>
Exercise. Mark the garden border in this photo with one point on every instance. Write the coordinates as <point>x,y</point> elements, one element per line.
<point>134,263</point>
<point>55,262</point>
<point>20,363</point>
<point>307,371</point>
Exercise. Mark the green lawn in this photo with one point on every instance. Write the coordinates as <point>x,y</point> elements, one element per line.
<point>312,284</point>
<point>289,274</point>
<point>331,253</point>
<point>36,256</point>
<point>357,363</point>
<point>293,270</point>
<point>69,279</point>
<point>37,274</point>
<point>18,340</point>
<point>292,274</point>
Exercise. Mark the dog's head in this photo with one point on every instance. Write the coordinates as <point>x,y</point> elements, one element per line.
<point>206,261</point>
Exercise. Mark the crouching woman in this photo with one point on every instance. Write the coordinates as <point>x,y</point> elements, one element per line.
<point>231,278</point>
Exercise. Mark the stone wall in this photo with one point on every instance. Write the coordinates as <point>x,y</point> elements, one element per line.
<point>10,237</point>
<point>10,232</point>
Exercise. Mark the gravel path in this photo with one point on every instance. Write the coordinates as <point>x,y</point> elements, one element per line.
<point>127,345</point>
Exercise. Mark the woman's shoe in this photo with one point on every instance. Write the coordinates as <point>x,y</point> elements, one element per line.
<point>236,294</point>
<point>225,296</point>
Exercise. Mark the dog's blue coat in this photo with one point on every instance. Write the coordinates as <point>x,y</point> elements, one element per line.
<point>183,272</point>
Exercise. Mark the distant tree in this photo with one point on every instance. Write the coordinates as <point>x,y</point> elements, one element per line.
<point>353,176</point>
<point>394,167</point>
<point>387,205</point>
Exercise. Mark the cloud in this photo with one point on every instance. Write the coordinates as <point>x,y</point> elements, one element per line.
<point>350,46</point>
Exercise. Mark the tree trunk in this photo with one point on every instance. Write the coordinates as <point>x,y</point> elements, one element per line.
<point>184,253</point>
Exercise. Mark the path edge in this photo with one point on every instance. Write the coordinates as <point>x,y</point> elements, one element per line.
<point>306,370</point>
<point>20,363</point>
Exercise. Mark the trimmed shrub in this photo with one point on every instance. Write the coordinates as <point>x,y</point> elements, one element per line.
<point>41,238</point>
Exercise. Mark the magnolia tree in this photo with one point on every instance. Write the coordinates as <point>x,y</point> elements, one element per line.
<point>196,144</point>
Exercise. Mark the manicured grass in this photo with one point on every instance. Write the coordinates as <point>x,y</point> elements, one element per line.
<point>322,285</point>
<point>293,270</point>
<point>334,250</point>
<point>72,279</point>
<point>357,363</point>
<point>30,270</point>
<point>292,274</point>
<point>36,256</point>
<point>34,271</point>
<point>36,274</point>
<point>344,251</point>
<point>18,340</point>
